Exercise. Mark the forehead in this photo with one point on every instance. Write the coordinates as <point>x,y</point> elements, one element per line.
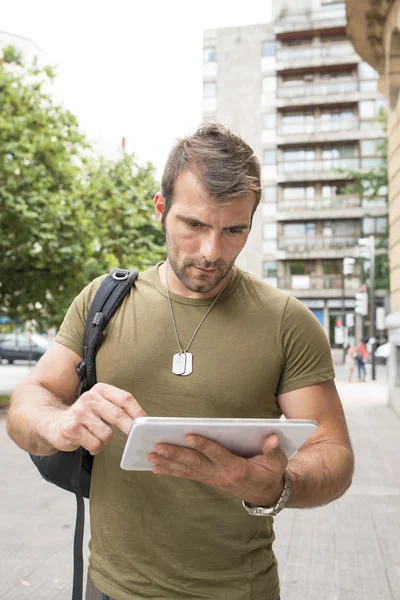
<point>189,193</point>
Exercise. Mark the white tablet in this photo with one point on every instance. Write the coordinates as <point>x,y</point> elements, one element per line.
<point>243,437</point>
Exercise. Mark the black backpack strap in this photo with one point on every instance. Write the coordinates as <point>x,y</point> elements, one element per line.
<point>108,298</point>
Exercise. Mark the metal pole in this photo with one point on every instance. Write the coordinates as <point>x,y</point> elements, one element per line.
<point>361,282</point>
<point>372,303</point>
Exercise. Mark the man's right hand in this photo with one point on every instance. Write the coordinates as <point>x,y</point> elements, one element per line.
<point>87,422</point>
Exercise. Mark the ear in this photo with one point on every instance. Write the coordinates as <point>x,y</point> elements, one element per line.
<point>159,205</point>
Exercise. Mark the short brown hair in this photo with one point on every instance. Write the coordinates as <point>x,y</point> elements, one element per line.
<point>225,165</point>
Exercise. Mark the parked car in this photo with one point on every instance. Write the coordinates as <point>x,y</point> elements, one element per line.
<point>21,347</point>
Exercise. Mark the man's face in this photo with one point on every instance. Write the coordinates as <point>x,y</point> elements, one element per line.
<point>203,238</point>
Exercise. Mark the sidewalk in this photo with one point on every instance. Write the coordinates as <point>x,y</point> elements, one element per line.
<point>348,550</point>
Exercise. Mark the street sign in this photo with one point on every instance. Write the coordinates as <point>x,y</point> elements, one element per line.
<point>350,320</point>
<point>380,318</point>
<point>348,265</point>
<point>362,303</point>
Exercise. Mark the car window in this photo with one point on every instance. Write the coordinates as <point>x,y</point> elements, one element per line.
<point>7,344</point>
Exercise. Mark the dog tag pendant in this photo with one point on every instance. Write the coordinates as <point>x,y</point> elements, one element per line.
<point>179,363</point>
<point>189,364</point>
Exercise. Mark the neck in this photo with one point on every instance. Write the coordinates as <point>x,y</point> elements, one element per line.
<point>176,286</point>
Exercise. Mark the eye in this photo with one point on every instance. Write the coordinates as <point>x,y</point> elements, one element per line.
<point>194,224</point>
<point>234,231</point>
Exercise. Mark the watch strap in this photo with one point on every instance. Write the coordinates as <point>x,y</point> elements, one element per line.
<point>271,511</point>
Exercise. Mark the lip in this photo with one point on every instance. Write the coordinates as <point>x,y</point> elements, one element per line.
<point>205,270</point>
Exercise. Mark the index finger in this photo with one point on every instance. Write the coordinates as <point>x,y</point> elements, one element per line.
<point>120,398</point>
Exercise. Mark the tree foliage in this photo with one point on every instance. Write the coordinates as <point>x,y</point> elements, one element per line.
<point>369,185</point>
<point>65,216</point>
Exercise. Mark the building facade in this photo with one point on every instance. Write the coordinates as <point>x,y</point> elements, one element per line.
<point>374,29</point>
<point>299,94</point>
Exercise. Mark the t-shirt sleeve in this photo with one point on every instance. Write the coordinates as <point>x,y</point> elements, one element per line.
<point>307,357</point>
<point>71,331</point>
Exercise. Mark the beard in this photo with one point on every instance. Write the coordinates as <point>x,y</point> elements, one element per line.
<point>202,283</point>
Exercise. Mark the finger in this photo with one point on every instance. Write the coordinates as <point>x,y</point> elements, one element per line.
<point>120,398</point>
<point>213,451</point>
<point>270,443</point>
<point>100,429</point>
<point>185,456</point>
<point>90,441</point>
<point>163,465</point>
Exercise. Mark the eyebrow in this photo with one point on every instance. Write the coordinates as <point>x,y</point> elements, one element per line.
<point>193,219</point>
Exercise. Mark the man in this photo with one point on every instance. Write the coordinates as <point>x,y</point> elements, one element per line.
<point>248,350</point>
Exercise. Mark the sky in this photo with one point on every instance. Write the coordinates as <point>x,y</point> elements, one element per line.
<point>129,68</point>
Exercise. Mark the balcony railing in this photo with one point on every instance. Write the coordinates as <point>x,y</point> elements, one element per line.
<point>326,126</point>
<point>317,282</point>
<point>314,52</point>
<point>317,89</point>
<point>327,164</point>
<point>320,242</point>
<point>319,203</point>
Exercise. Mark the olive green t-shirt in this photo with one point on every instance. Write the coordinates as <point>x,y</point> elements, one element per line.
<point>168,538</point>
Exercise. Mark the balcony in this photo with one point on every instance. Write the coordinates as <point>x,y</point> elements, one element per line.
<point>327,17</point>
<point>318,246</point>
<point>317,89</point>
<point>313,56</point>
<point>327,130</point>
<point>318,285</point>
<point>323,169</point>
<point>320,208</point>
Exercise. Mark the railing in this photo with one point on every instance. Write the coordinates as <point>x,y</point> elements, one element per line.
<point>320,126</point>
<point>317,89</point>
<point>320,242</point>
<point>319,203</point>
<point>327,164</point>
<point>317,282</point>
<point>312,52</point>
<point>337,11</point>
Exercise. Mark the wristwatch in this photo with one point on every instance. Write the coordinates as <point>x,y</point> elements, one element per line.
<point>271,511</point>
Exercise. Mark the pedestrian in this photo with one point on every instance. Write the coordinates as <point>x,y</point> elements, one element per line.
<point>185,530</point>
<point>361,353</point>
<point>350,361</point>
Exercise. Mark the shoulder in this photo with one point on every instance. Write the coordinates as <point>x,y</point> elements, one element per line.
<point>265,293</point>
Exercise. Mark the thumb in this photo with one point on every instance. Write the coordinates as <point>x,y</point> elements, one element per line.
<point>271,443</point>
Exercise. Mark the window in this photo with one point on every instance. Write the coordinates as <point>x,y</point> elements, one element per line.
<point>269,48</point>
<point>299,229</point>
<point>298,154</point>
<point>269,157</point>
<point>270,231</point>
<point>298,193</point>
<point>329,191</point>
<point>338,152</point>
<point>270,194</point>
<point>370,147</point>
<point>344,113</point>
<point>297,79</point>
<point>300,267</point>
<point>332,267</point>
<point>340,228</point>
<point>209,89</point>
<point>269,121</point>
<point>270,268</point>
<point>367,109</point>
<point>298,116</point>
<point>374,225</point>
<point>335,75</point>
<point>209,54</point>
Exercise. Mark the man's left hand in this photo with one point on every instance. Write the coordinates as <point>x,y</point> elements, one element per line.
<point>257,480</point>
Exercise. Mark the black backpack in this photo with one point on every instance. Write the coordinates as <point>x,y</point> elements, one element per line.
<point>72,470</point>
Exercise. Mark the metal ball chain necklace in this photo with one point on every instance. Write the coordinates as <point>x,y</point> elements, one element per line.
<point>182,362</point>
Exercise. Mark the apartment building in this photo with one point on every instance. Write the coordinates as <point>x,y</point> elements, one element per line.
<point>301,96</point>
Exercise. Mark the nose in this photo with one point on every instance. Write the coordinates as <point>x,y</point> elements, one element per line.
<point>211,246</point>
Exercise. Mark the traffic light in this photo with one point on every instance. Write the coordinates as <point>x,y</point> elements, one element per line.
<point>348,266</point>
<point>361,306</point>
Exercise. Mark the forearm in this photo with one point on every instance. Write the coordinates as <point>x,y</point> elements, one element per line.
<point>32,409</point>
<point>320,473</point>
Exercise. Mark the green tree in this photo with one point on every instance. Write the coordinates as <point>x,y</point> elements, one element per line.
<point>369,185</point>
<point>64,217</point>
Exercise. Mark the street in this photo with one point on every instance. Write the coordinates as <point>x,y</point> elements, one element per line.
<point>348,550</point>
